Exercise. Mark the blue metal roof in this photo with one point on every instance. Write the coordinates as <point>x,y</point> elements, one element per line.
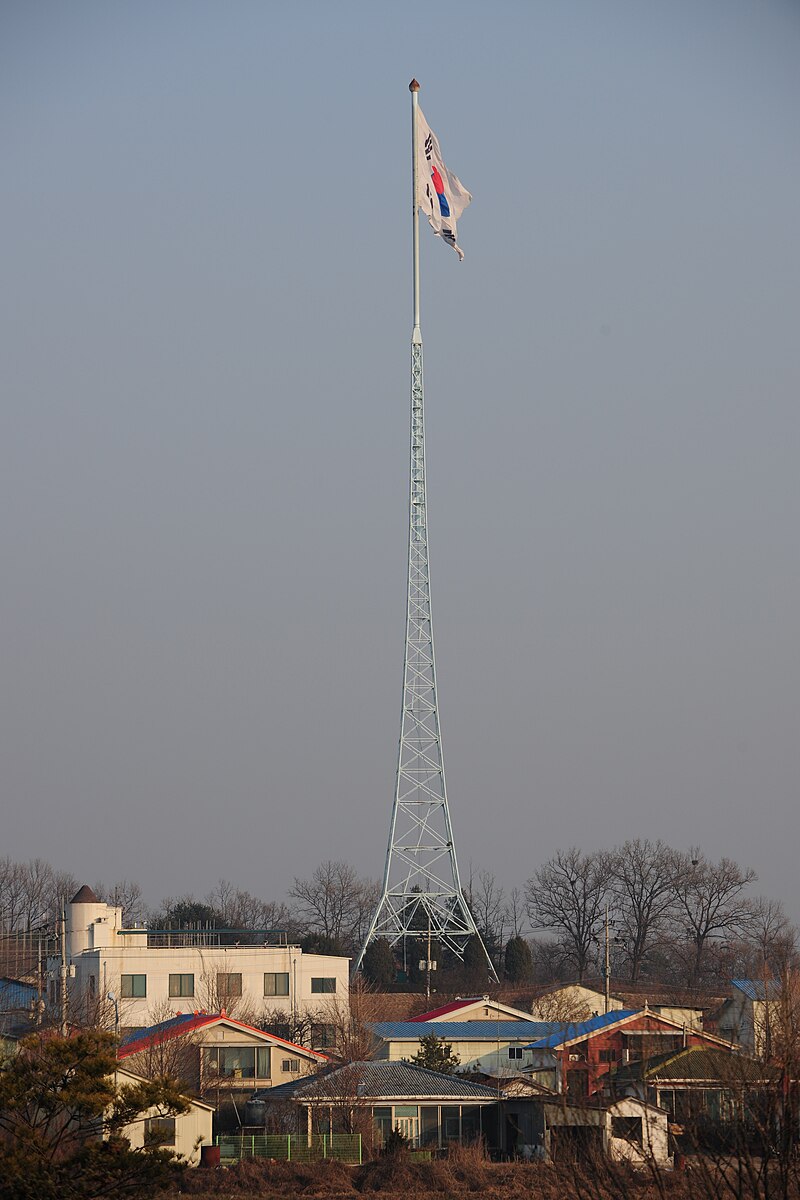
<point>164,1028</point>
<point>474,1031</point>
<point>757,989</point>
<point>581,1029</point>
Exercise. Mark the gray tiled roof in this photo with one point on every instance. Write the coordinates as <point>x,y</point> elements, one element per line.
<point>382,1080</point>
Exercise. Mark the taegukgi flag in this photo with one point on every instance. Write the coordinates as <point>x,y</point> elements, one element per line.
<point>440,194</point>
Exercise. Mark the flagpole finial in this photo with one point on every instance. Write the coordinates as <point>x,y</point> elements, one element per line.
<point>413,86</point>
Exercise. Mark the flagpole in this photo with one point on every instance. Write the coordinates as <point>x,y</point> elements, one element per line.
<point>413,87</point>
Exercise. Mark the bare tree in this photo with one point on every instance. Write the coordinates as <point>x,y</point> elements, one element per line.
<point>710,898</point>
<point>773,936</point>
<point>127,895</point>
<point>350,1022</point>
<point>31,893</point>
<point>237,908</point>
<point>336,904</point>
<point>568,895</point>
<point>486,900</point>
<point>516,912</point>
<point>642,883</point>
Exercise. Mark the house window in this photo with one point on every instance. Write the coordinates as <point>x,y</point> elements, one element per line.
<point>323,985</point>
<point>515,1052</point>
<point>232,1062</point>
<point>323,1037</point>
<point>92,987</point>
<point>629,1128</point>
<point>276,983</point>
<point>608,1056</point>
<point>263,1068</point>
<point>181,985</point>
<point>159,1131</point>
<point>229,986</point>
<point>132,987</point>
<point>290,1065</point>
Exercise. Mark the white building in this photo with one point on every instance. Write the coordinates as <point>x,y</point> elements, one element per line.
<point>152,974</point>
<point>183,1133</point>
<point>749,1015</point>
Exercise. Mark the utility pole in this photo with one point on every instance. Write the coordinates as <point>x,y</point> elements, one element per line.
<point>607,974</point>
<point>63,997</point>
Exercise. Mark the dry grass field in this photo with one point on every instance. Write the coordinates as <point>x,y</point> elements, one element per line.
<point>467,1173</point>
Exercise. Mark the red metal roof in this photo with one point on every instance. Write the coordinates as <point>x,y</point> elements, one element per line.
<point>447,1008</point>
<point>145,1039</point>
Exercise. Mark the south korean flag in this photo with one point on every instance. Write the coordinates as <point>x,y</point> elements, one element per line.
<point>440,194</point>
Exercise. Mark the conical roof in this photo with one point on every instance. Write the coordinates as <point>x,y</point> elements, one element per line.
<point>84,895</point>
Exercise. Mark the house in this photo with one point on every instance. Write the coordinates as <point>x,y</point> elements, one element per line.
<point>627,1130</point>
<point>473,1008</point>
<point>686,1006</point>
<point>19,1003</point>
<point>213,1053</point>
<point>490,1046</point>
<point>430,1109</point>
<point>152,972</point>
<point>708,1083</point>
<point>579,1002</point>
<point>571,1002</point>
<point>578,1058</point>
<point>183,1134</point>
<point>747,1015</point>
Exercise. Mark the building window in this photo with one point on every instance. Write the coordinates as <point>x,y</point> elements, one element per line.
<point>278,1029</point>
<point>276,983</point>
<point>608,1056</point>
<point>629,1128</point>
<point>515,1051</point>
<point>181,985</point>
<point>232,1062</point>
<point>323,1037</point>
<point>92,987</point>
<point>159,1131</point>
<point>229,986</point>
<point>133,987</point>
<point>290,1065</point>
<point>263,1068</point>
<point>323,985</point>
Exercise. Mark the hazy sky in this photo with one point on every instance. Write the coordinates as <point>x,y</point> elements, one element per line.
<point>205,327</point>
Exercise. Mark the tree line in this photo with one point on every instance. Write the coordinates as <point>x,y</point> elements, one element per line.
<point>674,916</point>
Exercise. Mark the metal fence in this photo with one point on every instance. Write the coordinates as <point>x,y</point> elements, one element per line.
<point>291,1147</point>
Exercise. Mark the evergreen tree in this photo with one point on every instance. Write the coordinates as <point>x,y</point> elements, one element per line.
<point>378,964</point>
<point>518,960</point>
<point>437,1055</point>
<point>56,1096</point>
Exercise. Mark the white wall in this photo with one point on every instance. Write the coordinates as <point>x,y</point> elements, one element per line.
<point>101,954</point>
<point>192,1129</point>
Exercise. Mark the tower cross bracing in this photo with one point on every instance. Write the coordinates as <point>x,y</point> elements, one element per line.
<point>421,890</point>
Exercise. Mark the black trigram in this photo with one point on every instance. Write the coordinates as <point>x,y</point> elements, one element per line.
<point>429,147</point>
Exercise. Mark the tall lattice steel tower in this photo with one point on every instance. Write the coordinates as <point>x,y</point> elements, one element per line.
<point>422,894</point>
